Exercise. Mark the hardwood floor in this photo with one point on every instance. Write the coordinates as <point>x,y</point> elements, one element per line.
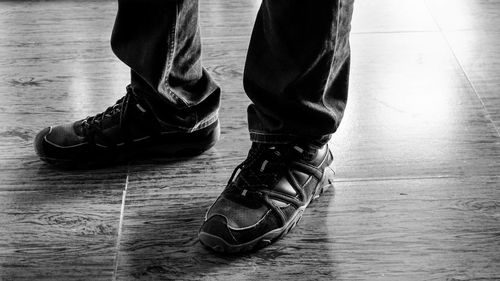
<point>417,194</point>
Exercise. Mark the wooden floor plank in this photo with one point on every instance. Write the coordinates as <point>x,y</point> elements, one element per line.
<point>227,19</point>
<point>441,229</point>
<point>454,15</point>
<point>479,55</point>
<point>412,113</point>
<point>382,16</point>
<point>369,230</point>
<point>55,66</point>
<point>472,29</point>
<point>58,225</point>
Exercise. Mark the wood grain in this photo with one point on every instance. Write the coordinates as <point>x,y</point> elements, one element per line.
<point>479,56</point>
<point>55,66</point>
<point>58,225</point>
<point>442,229</point>
<point>472,29</point>
<point>410,229</point>
<point>412,113</point>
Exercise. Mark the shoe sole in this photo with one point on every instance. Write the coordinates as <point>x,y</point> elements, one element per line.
<point>185,149</point>
<point>220,245</point>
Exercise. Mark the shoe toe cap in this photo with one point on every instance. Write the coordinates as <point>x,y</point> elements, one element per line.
<point>63,136</point>
<point>239,212</point>
<point>58,142</point>
<point>216,226</point>
<point>40,141</point>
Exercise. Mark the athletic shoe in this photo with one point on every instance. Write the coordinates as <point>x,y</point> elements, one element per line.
<point>125,130</point>
<point>266,196</point>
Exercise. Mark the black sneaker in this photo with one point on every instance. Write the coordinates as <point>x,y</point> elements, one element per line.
<point>125,130</point>
<point>266,196</point>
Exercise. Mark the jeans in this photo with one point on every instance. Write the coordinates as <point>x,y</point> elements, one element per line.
<point>296,71</point>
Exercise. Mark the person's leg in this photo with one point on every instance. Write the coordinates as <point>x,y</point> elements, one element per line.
<point>160,41</point>
<point>297,69</point>
<point>171,104</point>
<point>296,75</point>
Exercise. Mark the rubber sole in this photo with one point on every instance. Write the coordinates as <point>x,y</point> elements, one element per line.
<point>166,150</point>
<point>218,244</point>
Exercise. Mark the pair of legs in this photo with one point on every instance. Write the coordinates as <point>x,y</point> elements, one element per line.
<point>296,75</point>
<point>296,71</point>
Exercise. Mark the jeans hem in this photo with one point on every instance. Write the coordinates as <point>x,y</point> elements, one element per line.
<point>282,138</point>
<point>205,122</point>
<point>201,124</point>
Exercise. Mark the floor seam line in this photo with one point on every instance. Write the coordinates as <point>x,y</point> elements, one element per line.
<point>396,179</point>
<point>382,179</point>
<point>120,227</point>
<point>457,60</point>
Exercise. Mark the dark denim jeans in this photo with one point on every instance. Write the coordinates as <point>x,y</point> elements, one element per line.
<point>296,72</point>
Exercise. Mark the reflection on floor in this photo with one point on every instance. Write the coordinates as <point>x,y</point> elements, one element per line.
<point>417,156</point>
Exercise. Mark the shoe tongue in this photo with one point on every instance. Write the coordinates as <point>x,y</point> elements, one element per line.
<point>294,151</point>
<point>305,152</point>
<point>110,119</point>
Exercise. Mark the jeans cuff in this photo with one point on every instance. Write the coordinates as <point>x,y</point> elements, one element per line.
<point>277,138</point>
<point>205,122</point>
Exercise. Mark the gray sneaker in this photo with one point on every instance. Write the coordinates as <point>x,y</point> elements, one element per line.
<point>266,196</point>
<point>125,130</point>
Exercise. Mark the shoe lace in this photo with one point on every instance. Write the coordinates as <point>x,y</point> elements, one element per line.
<point>94,123</point>
<point>263,167</point>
